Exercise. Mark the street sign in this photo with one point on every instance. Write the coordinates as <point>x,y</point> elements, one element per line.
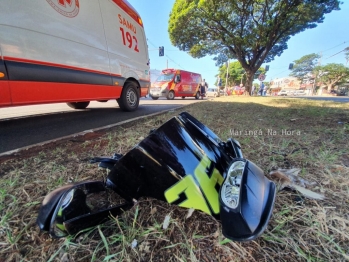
<point>261,77</point>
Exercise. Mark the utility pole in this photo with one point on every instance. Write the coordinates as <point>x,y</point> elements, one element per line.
<point>242,76</point>
<point>319,62</point>
<point>226,80</point>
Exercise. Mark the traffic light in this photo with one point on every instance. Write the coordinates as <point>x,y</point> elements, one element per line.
<point>266,68</point>
<point>290,67</point>
<point>161,51</point>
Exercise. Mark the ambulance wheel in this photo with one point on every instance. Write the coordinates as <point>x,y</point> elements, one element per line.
<point>183,97</point>
<point>154,97</point>
<point>197,96</point>
<point>78,105</point>
<point>129,99</point>
<point>171,95</point>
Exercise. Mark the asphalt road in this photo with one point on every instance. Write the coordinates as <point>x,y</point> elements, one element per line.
<point>341,99</point>
<point>29,125</point>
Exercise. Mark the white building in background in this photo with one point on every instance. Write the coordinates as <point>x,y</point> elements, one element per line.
<point>287,83</point>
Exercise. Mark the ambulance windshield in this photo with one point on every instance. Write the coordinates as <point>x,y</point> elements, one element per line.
<point>165,78</point>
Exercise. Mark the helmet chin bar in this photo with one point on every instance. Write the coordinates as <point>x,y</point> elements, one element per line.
<point>246,201</point>
<point>183,163</point>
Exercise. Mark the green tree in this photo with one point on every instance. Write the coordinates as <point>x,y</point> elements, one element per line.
<point>304,66</point>
<point>332,74</point>
<point>251,31</point>
<point>236,73</point>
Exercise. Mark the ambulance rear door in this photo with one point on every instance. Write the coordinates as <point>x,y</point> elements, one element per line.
<point>186,80</point>
<point>127,47</point>
<point>5,97</point>
<point>195,82</point>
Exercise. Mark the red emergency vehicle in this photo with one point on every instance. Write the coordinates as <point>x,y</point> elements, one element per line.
<point>176,83</point>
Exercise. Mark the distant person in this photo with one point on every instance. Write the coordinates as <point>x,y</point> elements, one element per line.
<point>261,89</point>
<point>252,90</point>
<point>219,82</point>
<point>244,90</point>
<point>265,90</point>
<point>203,88</point>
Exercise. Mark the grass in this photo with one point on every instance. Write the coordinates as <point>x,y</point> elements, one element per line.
<point>274,133</point>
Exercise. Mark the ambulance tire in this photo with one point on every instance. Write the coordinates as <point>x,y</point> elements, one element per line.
<point>154,97</point>
<point>197,96</point>
<point>183,97</point>
<point>171,95</point>
<point>129,99</point>
<point>78,105</point>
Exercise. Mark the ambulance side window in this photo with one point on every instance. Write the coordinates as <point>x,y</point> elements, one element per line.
<point>178,78</point>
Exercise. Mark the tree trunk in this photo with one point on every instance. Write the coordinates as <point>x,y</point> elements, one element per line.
<point>249,81</point>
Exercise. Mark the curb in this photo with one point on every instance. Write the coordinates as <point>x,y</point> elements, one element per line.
<point>14,151</point>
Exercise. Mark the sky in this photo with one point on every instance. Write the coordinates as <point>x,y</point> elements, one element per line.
<point>328,39</point>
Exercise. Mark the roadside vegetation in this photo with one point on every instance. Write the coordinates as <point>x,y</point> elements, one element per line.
<point>253,32</point>
<point>274,133</point>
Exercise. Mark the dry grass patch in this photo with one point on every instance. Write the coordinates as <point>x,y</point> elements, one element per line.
<point>315,139</point>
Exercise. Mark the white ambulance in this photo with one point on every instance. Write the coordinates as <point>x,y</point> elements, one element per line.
<point>72,51</point>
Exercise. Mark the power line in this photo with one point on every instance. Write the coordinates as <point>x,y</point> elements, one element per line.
<point>318,52</point>
<point>210,70</point>
<point>274,68</point>
<point>279,73</point>
<point>174,61</point>
<point>335,54</point>
<point>334,47</point>
<point>166,55</point>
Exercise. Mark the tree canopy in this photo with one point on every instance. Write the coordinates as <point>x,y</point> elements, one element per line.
<point>251,31</point>
<point>304,66</point>
<point>332,74</point>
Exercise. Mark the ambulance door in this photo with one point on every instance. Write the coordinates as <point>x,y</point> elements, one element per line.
<point>5,97</point>
<point>128,51</point>
<point>177,82</point>
<point>196,80</point>
<point>186,80</point>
